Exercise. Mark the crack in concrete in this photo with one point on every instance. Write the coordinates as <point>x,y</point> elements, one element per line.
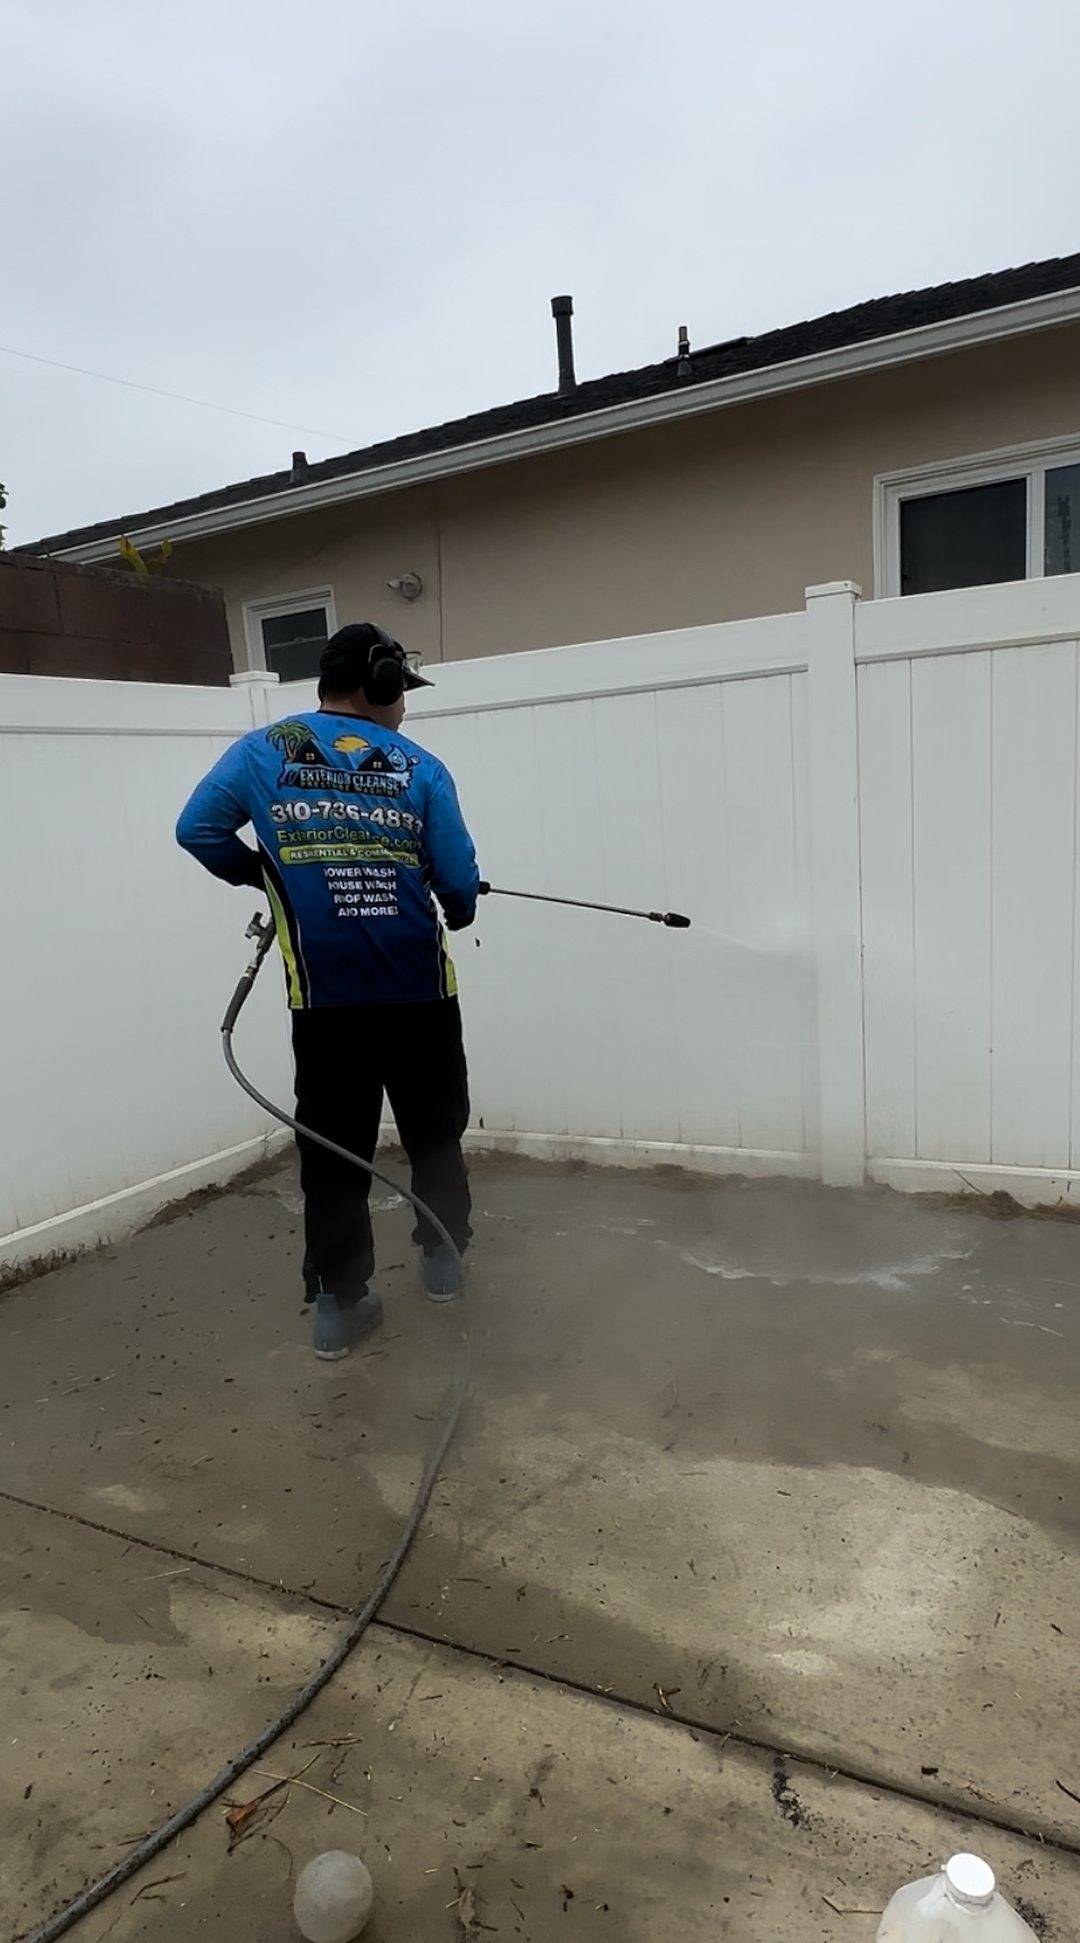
<point>943,1803</point>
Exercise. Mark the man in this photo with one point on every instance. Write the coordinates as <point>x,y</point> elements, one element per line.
<point>356,828</point>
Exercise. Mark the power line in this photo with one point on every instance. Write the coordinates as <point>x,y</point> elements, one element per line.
<point>181,398</point>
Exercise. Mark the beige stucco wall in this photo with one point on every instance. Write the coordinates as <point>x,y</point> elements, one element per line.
<point>716,518</point>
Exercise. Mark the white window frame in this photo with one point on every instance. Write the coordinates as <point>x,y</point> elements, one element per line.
<point>276,607</point>
<point>1030,461</point>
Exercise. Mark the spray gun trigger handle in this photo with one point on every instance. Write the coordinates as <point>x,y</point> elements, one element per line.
<point>261,929</point>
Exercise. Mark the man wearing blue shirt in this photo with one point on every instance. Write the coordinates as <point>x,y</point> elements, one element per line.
<point>358,832</point>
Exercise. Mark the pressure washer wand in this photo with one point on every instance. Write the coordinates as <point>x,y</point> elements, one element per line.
<point>673,918</point>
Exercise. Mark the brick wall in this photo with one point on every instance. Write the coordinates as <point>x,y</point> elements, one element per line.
<point>105,625</point>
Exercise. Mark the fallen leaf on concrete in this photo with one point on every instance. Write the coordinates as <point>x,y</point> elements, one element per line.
<point>245,1817</point>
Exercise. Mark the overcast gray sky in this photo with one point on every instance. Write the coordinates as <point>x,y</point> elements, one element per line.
<point>352,216</point>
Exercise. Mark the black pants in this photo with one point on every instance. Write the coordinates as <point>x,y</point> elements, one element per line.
<point>347,1057</point>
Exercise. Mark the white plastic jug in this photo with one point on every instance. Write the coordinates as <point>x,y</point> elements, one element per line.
<point>961,1901</point>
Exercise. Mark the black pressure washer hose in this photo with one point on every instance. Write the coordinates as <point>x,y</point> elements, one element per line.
<point>262,931</point>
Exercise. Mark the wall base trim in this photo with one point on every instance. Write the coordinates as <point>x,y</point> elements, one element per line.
<point>117,1215</point>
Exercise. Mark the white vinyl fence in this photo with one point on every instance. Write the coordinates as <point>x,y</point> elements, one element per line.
<point>667,772</point>
<point>968,741</point>
<point>118,958</point>
<point>869,810</point>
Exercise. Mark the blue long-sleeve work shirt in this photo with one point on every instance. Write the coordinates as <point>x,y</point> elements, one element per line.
<point>358,831</point>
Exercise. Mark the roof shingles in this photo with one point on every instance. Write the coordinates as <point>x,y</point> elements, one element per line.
<point>880,318</point>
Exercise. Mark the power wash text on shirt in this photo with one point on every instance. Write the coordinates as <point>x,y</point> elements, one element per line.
<point>356,828</point>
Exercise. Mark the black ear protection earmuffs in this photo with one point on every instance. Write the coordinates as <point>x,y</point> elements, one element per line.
<point>385,683</point>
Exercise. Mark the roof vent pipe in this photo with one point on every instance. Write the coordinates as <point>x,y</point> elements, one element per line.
<point>562,309</point>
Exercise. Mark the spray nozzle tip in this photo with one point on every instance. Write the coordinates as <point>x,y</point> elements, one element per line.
<point>676,920</point>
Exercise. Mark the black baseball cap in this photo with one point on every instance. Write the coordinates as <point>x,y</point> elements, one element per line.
<point>347,660</point>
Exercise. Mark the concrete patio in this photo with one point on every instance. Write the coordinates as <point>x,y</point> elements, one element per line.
<point>749,1589</point>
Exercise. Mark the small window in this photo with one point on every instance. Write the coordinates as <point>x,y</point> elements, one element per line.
<point>968,538</point>
<point>1062,545</point>
<point>293,643</point>
<point>1011,515</point>
<point>286,636</point>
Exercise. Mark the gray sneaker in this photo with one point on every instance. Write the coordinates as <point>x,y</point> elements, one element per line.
<point>443,1277</point>
<point>341,1323</point>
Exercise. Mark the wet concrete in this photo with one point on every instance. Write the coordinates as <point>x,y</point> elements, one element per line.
<point>797,1466</point>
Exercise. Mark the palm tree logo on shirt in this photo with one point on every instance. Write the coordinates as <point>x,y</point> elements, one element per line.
<point>297,744</point>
